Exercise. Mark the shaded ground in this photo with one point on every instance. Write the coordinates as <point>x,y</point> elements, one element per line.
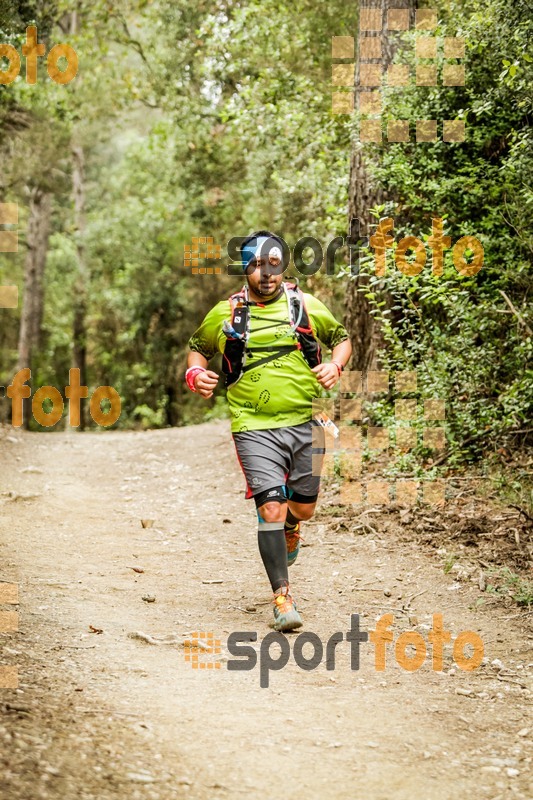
<point>103,715</point>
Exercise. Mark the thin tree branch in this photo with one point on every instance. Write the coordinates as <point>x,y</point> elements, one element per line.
<point>133,42</point>
<point>515,311</point>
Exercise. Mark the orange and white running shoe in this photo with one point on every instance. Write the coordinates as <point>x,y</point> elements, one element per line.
<point>286,616</point>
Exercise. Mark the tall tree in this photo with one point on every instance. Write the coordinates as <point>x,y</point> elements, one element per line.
<point>79,332</point>
<point>40,206</point>
<point>365,193</point>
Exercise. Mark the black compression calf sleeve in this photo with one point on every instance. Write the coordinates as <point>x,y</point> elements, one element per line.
<point>291,521</point>
<point>273,550</point>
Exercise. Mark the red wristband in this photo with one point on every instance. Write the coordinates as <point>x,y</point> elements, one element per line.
<point>191,374</point>
<point>340,368</point>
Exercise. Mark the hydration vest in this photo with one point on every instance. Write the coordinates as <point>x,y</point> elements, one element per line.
<point>238,333</point>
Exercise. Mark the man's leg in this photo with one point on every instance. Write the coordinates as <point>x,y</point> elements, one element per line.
<point>264,459</point>
<point>300,511</point>
<point>300,508</point>
<point>307,446</point>
<point>271,510</point>
<point>265,464</point>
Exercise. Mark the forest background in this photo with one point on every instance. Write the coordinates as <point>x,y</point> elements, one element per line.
<point>214,119</point>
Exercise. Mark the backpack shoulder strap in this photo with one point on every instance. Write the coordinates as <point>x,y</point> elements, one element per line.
<point>299,313</point>
<point>237,333</point>
<point>238,298</point>
<point>301,324</point>
<point>240,315</point>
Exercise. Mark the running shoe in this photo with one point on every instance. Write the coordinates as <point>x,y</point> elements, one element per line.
<point>292,537</point>
<point>286,616</point>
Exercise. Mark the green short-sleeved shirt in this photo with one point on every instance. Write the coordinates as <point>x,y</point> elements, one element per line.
<point>279,393</point>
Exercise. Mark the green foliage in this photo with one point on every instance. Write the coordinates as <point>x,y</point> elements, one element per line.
<point>214,118</point>
<point>507,583</point>
<point>450,560</point>
<point>190,126</point>
<point>460,333</point>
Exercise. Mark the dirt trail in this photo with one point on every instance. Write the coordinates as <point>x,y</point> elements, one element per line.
<point>107,716</point>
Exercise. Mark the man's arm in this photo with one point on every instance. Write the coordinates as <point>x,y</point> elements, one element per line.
<point>328,374</point>
<point>342,353</point>
<point>202,347</point>
<point>335,336</point>
<point>206,380</point>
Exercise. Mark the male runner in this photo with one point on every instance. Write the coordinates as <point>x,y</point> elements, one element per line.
<point>271,385</point>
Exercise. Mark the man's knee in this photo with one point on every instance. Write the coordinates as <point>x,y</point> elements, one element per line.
<point>273,511</point>
<point>302,506</point>
<point>271,504</point>
<point>303,511</point>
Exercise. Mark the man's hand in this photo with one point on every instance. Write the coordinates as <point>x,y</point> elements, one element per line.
<point>205,382</point>
<point>326,374</point>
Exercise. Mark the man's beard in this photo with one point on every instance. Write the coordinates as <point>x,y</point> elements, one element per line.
<point>268,292</point>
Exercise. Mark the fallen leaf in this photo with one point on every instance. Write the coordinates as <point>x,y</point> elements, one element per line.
<point>95,630</point>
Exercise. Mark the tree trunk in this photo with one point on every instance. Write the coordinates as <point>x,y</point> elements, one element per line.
<point>79,333</point>
<point>364,193</point>
<point>40,207</point>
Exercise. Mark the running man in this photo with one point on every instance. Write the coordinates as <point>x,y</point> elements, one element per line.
<point>268,334</point>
